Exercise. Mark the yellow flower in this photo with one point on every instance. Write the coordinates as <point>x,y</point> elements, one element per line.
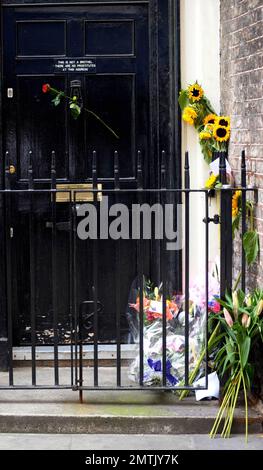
<point>209,127</point>
<point>210,119</point>
<point>221,134</point>
<point>234,211</point>
<point>205,135</point>
<point>237,194</point>
<point>223,121</point>
<point>189,115</point>
<point>210,183</point>
<point>195,92</point>
<point>235,203</point>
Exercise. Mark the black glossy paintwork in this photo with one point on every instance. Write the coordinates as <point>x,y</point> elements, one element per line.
<point>133,43</point>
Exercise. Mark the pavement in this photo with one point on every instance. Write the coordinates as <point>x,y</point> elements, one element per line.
<point>126,442</point>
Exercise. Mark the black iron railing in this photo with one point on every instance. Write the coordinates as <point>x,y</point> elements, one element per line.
<point>34,203</point>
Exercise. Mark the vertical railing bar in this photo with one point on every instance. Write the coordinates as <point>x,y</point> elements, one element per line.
<point>80,381</point>
<point>163,268</point>
<point>226,239</point>
<point>206,283</point>
<point>71,292</point>
<point>117,270</point>
<point>32,269</point>
<point>75,289</point>
<point>95,271</point>
<point>222,177</point>
<point>243,227</point>
<point>140,272</point>
<point>8,205</point>
<point>54,266</point>
<point>187,265</point>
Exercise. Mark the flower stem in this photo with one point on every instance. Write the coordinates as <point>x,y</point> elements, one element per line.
<point>235,396</point>
<point>102,122</point>
<point>194,373</point>
<point>220,413</point>
<point>246,407</point>
<point>54,90</point>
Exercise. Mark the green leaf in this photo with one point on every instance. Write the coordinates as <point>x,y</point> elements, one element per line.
<point>251,246</point>
<point>75,110</point>
<point>56,100</point>
<point>244,351</point>
<point>235,223</point>
<point>241,297</point>
<point>229,299</point>
<point>209,106</point>
<point>183,99</point>
<point>206,151</point>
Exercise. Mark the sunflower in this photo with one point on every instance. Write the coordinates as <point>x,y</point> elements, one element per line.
<point>221,134</point>
<point>204,135</point>
<point>210,119</point>
<point>211,182</point>
<point>223,121</point>
<point>195,92</point>
<point>189,115</point>
<point>235,203</point>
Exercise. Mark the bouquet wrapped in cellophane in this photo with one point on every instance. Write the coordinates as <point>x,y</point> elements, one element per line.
<point>175,332</point>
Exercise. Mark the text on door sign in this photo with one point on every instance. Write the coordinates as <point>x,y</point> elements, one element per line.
<point>75,65</point>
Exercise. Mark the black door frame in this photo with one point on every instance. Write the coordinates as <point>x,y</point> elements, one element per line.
<point>165,122</point>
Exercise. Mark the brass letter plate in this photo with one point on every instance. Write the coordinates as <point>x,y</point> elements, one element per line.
<point>86,196</point>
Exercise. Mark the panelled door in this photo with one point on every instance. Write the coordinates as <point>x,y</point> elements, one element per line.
<point>110,49</point>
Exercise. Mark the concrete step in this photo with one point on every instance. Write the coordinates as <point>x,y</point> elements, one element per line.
<point>115,412</point>
<point>107,354</point>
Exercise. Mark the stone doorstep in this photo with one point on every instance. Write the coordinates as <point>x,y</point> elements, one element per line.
<point>117,418</point>
<point>107,355</point>
<point>107,412</point>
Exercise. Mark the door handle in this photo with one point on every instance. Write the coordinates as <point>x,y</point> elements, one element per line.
<point>75,90</point>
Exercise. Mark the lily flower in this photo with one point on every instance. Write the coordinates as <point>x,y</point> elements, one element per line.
<point>259,307</point>
<point>228,318</point>
<point>235,304</point>
<point>246,320</point>
<point>248,300</point>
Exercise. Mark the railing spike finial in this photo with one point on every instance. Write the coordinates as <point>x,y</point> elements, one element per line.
<point>94,168</point>
<point>186,171</point>
<point>139,169</point>
<point>163,169</point>
<point>30,169</point>
<point>243,169</point>
<point>7,171</point>
<point>94,160</point>
<point>53,169</point>
<point>53,160</point>
<point>30,154</point>
<point>222,167</point>
<point>7,161</point>
<point>116,170</point>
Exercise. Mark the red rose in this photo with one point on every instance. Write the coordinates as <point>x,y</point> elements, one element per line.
<point>46,87</point>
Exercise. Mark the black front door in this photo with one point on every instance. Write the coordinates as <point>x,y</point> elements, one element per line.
<point>113,50</point>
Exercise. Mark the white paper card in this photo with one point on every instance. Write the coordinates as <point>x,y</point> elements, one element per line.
<point>214,167</point>
<point>211,391</point>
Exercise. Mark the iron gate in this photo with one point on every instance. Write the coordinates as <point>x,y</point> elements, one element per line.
<point>85,314</point>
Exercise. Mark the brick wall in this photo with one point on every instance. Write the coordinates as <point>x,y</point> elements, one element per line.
<point>242,98</point>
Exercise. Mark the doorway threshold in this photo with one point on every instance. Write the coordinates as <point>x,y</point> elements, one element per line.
<point>107,354</point>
